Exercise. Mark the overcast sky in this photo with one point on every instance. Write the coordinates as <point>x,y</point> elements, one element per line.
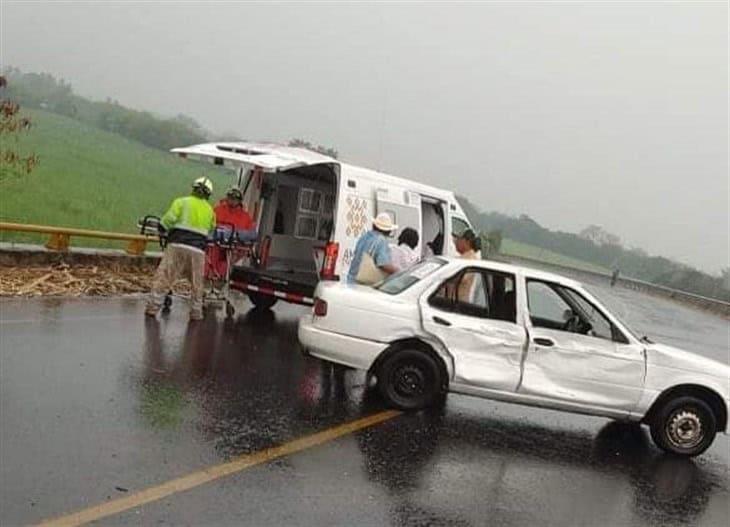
<point>614,114</point>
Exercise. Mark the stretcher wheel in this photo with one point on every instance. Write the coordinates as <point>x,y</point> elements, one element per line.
<point>167,303</point>
<point>230,310</point>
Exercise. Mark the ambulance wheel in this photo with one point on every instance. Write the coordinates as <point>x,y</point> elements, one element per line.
<point>230,310</point>
<point>262,301</point>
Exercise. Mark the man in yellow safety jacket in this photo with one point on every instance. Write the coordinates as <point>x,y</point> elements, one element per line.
<point>189,221</point>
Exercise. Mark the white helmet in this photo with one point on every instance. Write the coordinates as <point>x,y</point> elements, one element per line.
<point>203,184</point>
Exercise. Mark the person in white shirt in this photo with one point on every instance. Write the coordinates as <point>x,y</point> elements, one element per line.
<point>403,255</point>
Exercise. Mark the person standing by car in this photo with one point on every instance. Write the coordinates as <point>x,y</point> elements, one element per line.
<point>372,261</point>
<point>468,245</point>
<point>403,254</point>
<point>189,221</point>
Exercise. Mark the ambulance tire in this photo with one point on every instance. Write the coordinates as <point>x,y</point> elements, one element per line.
<point>262,301</point>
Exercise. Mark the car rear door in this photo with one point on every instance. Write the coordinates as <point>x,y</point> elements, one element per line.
<point>567,363</point>
<point>473,314</point>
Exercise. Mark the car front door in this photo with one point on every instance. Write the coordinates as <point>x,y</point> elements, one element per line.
<point>576,355</point>
<point>474,315</point>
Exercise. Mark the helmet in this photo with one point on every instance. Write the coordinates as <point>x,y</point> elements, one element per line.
<point>204,185</point>
<point>234,193</point>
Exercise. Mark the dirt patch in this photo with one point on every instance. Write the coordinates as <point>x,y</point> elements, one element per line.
<point>78,280</point>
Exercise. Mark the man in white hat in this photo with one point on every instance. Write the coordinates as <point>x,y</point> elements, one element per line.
<point>373,246</point>
<point>188,221</point>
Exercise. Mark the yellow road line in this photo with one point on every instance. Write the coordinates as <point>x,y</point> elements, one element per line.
<point>215,472</point>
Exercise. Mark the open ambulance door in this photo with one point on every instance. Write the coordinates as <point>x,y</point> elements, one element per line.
<point>405,210</point>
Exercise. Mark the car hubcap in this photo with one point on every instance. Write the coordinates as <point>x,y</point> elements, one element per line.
<point>409,381</point>
<point>685,429</point>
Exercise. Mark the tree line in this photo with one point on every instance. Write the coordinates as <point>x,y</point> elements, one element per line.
<point>630,262</point>
<point>46,92</point>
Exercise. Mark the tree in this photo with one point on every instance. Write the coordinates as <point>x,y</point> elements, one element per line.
<point>324,150</point>
<point>12,125</point>
<point>492,242</point>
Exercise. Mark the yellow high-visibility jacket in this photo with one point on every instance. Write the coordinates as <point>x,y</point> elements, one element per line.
<point>190,213</point>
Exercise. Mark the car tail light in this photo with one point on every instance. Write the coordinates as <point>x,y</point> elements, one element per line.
<point>331,251</point>
<point>320,307</point>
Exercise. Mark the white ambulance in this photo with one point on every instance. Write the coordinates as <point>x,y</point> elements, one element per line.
<point>310,210</point>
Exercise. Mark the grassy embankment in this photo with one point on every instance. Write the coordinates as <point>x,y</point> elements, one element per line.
<point>91,179</point>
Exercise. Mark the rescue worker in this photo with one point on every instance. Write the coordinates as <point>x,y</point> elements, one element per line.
<point>189,221</point>
<point>229,214</point>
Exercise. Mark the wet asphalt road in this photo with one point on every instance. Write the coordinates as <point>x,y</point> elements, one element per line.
<point>96,403</point>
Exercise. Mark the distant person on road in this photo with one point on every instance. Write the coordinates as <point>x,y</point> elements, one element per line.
<point>189,221</point>
<point>371,261</point>
<point>614,277</point>
<point>403,254</point>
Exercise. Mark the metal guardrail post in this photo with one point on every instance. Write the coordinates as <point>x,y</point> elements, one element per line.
<point>58,242</point>
<point>136,247</point>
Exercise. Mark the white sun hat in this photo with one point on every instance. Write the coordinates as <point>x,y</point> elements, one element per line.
<point>384,222</point>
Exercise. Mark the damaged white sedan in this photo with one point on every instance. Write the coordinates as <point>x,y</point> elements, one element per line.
<point>514,334</point>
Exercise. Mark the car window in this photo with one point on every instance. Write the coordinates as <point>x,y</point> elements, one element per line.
<point>399,282</point>
<point>557,307</point>
<point>458,226</point>
<point>479,293</point>
<point>600,326</point>
<point>547,307</point>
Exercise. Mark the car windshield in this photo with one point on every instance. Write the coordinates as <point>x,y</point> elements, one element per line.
<point>399,282</point>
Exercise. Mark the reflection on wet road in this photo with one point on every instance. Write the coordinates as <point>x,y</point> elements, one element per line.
<point>97,403</point>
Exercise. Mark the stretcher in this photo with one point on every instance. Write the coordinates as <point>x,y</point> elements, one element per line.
<point>225,247</point>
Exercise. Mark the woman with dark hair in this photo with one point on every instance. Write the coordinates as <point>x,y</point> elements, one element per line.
<point>403,255</point>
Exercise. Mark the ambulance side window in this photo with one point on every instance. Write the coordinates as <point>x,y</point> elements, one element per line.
<point>458,226</point>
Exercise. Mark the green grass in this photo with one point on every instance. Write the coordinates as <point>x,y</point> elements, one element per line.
<point>519,249</point>
<point>88,178</point>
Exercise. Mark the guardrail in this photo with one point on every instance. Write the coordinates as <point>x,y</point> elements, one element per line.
<point>60,237</point>
<point>711,304</point>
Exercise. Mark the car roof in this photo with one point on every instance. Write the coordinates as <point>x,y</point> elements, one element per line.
<point>528,272</point>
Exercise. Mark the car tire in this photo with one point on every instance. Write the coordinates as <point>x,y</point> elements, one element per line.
<point>262,301</point>
<point>409,380</point>
<point>684,426</point>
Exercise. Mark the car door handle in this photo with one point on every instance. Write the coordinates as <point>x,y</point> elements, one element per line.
<point>541,341</point>
<point>441,321</point>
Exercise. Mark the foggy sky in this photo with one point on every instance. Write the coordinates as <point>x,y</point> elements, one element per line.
<point>614,114</point>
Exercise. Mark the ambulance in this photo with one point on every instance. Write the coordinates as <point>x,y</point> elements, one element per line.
<point>310,210</point>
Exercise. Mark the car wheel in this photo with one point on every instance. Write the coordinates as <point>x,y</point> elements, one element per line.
<point>409,380</point>
<point>262,301</point>
<point>684,426</point>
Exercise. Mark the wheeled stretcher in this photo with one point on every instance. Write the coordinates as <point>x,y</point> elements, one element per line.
<point>225,247</point>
